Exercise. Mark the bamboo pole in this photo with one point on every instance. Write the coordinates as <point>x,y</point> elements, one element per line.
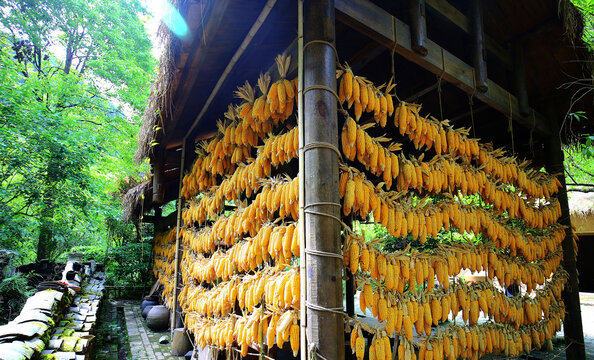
<point>175,320</point>
<point>572,326</point>
<point>301,221</point>
<point>325,327</point>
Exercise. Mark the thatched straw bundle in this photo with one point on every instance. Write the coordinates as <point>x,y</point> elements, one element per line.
<point>132,201</point>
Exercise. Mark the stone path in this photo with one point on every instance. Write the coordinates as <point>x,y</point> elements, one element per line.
<point>144,343</point>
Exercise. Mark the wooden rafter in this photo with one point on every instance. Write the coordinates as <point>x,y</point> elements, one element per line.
<point>444,8</point>
<point>392,33</point>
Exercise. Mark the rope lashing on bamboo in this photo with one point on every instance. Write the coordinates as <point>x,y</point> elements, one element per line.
<point>439,78</point>
<point>335,310</point>
<point>323,87</point>
<point>323,145</point>
<point>306,210</point>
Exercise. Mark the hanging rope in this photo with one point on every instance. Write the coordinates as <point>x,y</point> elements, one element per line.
<point>395,32</point>
<point>471,103</point>
<point>510,124</point>
<point>530,140</point>
<point>439,78</point>
<point>330,45</point>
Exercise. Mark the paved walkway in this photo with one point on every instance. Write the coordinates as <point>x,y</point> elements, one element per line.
<point>144,343</point>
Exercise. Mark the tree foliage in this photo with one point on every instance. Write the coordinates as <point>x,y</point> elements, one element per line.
<point>73,78</point>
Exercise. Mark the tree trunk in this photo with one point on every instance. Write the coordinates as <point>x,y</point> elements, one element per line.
<point>137,226</point>
<point>47,244</point>
<point>46,235</point>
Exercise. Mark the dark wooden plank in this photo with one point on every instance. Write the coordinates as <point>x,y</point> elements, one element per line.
<point>382,27</point>
<point>447,10</point>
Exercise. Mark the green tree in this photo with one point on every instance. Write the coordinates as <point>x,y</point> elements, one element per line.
<point>73,77</point>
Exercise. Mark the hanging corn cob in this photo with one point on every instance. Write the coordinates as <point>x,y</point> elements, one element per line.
<point>281,95</point>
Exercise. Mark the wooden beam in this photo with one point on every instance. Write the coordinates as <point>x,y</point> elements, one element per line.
<point>325,329</point>
<point>447,10</point>
<point>371,51</point>
<point>420,93</point>
<point>418,26</point>
<point>382,27</point>
<point>479,55</point>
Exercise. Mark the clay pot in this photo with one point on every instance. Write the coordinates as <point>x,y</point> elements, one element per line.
<point>157,318</point>
<point>146,310</point>
<point>146,303</point>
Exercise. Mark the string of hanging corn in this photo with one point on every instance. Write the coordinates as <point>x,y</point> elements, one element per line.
<point>439,304</point>
<point>272,243</point>
<point>271,285</point>
<point>400,217</point>
<point>266,325</point>
<point>457,341</point>
<point>417,268</point>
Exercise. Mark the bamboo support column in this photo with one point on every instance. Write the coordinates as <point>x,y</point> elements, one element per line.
<point>325,328</point>
<point>479,57</point>
<point>572,326</point>
<point>176,314</point>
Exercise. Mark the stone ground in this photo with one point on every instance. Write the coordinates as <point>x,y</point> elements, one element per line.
<point>144,343</point>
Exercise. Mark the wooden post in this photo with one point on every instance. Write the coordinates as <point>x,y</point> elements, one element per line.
<point>572,326</point>
<point>418,26</point>
<point>520,78</point>
<point>479,55</point>
<point>159,177</point>
<point>325,329</point>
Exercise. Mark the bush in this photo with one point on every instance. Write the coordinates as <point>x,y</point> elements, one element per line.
<point>14,292</point>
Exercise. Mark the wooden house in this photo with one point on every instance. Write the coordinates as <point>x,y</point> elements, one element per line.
<point>504,71</point>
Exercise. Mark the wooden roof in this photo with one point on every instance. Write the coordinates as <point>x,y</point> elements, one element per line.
<point>365,38</point>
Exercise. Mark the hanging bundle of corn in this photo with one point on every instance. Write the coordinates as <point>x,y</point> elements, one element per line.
<point>281,95</point>
<point>261,109</point>
<point>244,111</point>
